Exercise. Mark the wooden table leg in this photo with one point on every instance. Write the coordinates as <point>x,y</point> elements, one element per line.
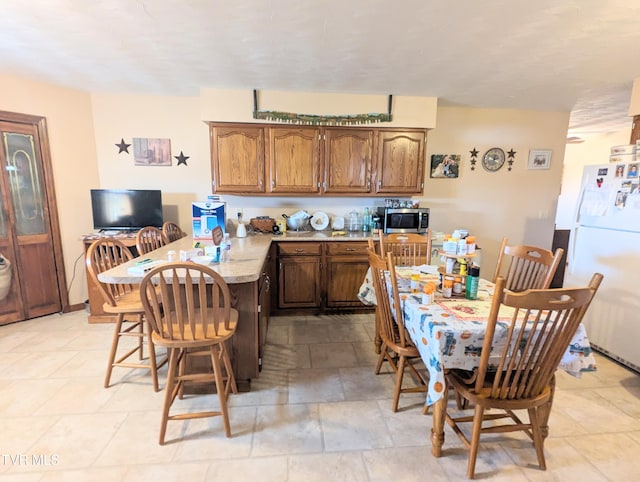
<point>437,430</point>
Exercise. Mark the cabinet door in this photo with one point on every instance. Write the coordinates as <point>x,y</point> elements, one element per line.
<point>400,157</point>
<point>294,160</point>
<point>347,160</point>
<point>346,267</point>
<point>299,282</point>
<point>237,158</point>
<point>344,277</point>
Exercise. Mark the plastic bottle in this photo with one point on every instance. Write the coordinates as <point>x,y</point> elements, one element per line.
<point>225,254</point>
<point>473,278</point>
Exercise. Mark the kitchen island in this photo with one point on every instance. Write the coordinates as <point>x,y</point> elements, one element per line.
<point>247,275</point>
<point>316,272</point>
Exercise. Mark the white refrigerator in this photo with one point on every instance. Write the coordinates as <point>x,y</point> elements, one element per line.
<point>606,239</point>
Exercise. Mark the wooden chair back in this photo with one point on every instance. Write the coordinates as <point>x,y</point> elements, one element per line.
<point>524,365</point>
<point>172,231</point>
<point>526,267</point>
<point>409,249</point>
<point>104,254</point>
<point>148,239</point>
<point>187,305</point>
<point>392,332</point>
<point>405,340</point>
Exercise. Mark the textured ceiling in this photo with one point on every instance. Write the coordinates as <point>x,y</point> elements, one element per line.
<point>567,55</point>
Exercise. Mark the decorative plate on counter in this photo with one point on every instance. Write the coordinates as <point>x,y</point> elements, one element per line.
<point>319,221</point>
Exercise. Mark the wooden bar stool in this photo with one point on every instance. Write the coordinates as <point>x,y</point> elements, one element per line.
<point>123,301</point>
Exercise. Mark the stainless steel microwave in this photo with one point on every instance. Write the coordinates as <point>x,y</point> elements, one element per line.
<point>404,220</point>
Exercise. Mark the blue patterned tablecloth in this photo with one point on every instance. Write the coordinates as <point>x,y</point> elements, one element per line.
<point>449,333</point>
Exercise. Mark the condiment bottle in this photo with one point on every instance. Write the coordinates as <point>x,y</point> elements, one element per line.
<point>428,291</point>
<point>415,281</point>
<point>447,287</point>
<point>457,285</point>
<point>471,244</point>
<point>473,279</point>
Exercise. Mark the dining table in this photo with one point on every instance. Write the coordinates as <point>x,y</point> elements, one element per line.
<point>449,334</point>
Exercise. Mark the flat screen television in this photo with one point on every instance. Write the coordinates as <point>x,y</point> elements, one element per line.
<point>126,209</point>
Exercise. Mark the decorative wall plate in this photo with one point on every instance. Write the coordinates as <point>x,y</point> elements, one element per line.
<point>493,159</point>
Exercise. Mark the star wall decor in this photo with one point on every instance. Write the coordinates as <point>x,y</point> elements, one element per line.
<point>182,159</point>
<point>123,147</point>
<point>474,154</point>
<point>511,154</point>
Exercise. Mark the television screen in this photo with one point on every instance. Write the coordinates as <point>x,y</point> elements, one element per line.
<point>126,209</point>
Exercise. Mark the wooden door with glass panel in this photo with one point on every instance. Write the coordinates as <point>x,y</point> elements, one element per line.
<point>29,277</point>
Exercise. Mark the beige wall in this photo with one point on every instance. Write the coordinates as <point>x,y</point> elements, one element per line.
<point>84,129</point>
<point>520,203</point>
<point>120,116</point>
<point>73,153</point>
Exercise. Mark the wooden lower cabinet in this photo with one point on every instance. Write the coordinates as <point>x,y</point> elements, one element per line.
<point>346,267</point>
<point>299,275</point>
<point>319,277</point>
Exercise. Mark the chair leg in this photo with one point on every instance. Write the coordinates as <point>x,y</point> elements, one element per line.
<point>475,440</point>
<point>141,336</point>
<point>217,373</point>
<point>398,388</point>
<point>381,357</point>
<point>538,440</point>
<point>152,357</point>
<point>231,378</point>
<point>114,349</point>
<point>377,342</point>
<point>168,394</point>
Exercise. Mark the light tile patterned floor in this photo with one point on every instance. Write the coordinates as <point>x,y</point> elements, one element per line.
<point>317,412</point>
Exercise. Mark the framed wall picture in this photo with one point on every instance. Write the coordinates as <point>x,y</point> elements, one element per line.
<point>151,152</point>
<point>539,159</point>
<point>445,165</point>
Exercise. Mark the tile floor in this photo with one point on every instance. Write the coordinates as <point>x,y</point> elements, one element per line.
<point>317,412</point>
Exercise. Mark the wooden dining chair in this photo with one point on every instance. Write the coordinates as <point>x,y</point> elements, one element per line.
<point>409,249</point>
<point>123,302</point>
<point>189,310</point>
<point>397,348</point>
<point>526,267</point>
<point>519,374</point>
<point>148,239</point>
<point>172,231</point>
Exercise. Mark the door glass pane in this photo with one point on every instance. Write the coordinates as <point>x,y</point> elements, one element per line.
<point>3,222</point>
<point>24,183</point>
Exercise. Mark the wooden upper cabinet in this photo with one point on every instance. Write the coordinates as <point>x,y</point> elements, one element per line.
<point>238,158</point>
<point>400,158</point>
<point>294,160</point>
<point>347,160</point>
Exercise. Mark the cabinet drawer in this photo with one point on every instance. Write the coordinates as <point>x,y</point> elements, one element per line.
<point>293,249</point>
<point>346,248</point>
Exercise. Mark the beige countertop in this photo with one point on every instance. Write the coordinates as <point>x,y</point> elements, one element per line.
<point>247,255</point>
